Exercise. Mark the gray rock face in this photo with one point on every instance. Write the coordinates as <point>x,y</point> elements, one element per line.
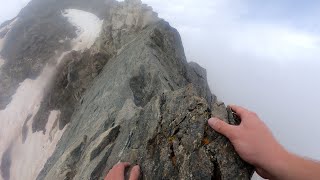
<point>131,97</point>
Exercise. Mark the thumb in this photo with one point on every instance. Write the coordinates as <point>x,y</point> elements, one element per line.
<point>222,127</point>
<point>135,173</point>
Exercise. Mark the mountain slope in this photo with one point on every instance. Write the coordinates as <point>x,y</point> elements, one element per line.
<point>109,82</point>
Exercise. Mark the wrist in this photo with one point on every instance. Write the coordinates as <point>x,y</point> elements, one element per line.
<point>277,165</point>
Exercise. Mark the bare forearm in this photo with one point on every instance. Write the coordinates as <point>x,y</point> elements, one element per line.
<point>294,167</point>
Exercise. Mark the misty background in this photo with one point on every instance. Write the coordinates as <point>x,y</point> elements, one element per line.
<point>261,55</point>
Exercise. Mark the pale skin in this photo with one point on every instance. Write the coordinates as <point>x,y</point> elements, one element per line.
<point>256,145</point>
<point>117,172</point>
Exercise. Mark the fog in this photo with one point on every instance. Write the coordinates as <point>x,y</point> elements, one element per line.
<point>9,9</point>
<point>262,56</point>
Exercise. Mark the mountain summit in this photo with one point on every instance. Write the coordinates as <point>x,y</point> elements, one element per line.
<point>86,84</point>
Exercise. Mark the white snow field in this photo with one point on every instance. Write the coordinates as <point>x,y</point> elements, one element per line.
<point>29,157</point>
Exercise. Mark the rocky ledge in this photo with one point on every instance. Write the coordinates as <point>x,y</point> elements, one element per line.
<point>128,95</point>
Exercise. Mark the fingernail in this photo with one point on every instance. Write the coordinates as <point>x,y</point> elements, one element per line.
<point>212,121</point>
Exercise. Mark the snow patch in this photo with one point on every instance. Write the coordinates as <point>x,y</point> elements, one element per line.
<point>38,147</point>
<point>30,154</point>
<point>88,28</point>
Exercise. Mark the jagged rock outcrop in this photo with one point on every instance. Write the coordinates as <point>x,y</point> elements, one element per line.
<point>129,96</point>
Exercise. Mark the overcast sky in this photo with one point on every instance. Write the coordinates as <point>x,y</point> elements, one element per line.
<point>263,55</point>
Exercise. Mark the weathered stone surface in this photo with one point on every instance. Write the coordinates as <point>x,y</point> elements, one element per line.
<point>161,111</point>
<point>131,97</point>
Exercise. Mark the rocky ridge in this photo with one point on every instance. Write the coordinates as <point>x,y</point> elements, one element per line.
<point>129,96</point>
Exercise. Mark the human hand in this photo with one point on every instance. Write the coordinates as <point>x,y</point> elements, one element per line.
<point>252,140</point>
<point>117,172</point>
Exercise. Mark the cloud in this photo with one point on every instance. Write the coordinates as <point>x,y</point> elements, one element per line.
<point>274,42</point>
<point>229,22</point>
